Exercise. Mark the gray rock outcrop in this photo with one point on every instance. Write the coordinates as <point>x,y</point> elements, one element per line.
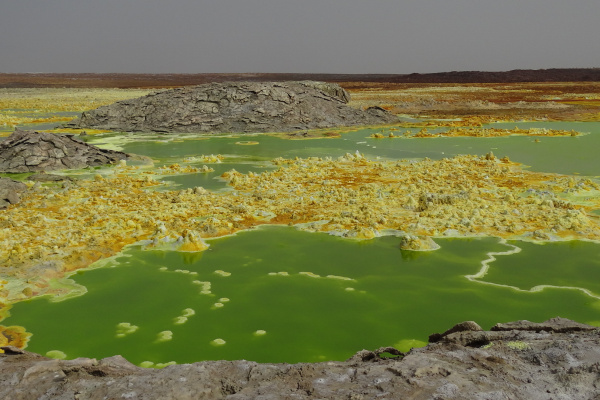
<point>28,151</point>
<point>10,191</point>
<point>558,359</point>
<point>235,107</point>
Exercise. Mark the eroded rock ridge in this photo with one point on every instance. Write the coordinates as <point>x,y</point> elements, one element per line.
<point>235,107</point>
<point>28,151</point>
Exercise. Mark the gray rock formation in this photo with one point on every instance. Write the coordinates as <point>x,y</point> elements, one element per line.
<point>558,359</point>
<point>10,191</point>
<point>27,151</point>
<point>235,107</point>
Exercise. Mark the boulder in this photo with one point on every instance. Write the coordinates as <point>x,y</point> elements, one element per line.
<point>10,191</point>
<point>28,151</point>
<point>235,107</point>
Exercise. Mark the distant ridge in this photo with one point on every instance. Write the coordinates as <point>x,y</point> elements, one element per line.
<point>118,80</point>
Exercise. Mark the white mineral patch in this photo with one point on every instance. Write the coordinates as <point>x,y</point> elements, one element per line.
<point>188,312</point>
<point>205,286</point>
<point>343,278</point>
<point>218,342</point>
<point>125,328</point>
<point>349,289</point>
<point>218,305</point>
<point>260,332</point>
<point>180,320</point>
<point>281,273</point>
<point>164,336</point>
<point>223,299</point>
<point>310,274</point>
<point>222,273</point>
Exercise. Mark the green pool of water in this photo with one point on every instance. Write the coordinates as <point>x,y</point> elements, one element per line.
<point>367,294</point>
<point>565,155</point>
<point>212,180</point>
<point>392,297</point>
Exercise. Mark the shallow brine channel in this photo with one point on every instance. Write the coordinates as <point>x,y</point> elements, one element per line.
<point>277,294</point>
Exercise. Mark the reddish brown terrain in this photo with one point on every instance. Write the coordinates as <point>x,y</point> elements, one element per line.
<point>116,80</point>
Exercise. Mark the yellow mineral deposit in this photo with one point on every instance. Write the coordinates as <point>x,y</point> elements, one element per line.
<point>186,169</point>
<point>70,228</point>
<point>15,336</point>
<point>496,132</point>
<point>481,132</point>
<point>213,159</point>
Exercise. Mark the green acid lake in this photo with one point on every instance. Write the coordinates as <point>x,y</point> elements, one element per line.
<point>564,155</point>
<point>277,294</point>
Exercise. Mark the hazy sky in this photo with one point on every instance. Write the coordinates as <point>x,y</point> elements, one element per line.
<point>329,36</point>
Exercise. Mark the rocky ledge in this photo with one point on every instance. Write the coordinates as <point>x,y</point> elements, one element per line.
<point>28,151</point>
<point>556,359</point>
<point>235,107</point>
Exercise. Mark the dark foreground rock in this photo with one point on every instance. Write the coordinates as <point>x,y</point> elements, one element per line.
<point>235,107</point>
<point>559,360</point>
<point>28,151</point>
<point>10,191</point>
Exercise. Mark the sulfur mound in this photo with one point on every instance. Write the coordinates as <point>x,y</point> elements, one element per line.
<point>235,107</point>
<point>28,151</point>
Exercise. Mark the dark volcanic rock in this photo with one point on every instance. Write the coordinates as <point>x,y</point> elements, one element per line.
<point>10,191</point>
<point>462,327</point>
<point>522,363</point>
<point>235,107</point>
<point>27,151</point>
